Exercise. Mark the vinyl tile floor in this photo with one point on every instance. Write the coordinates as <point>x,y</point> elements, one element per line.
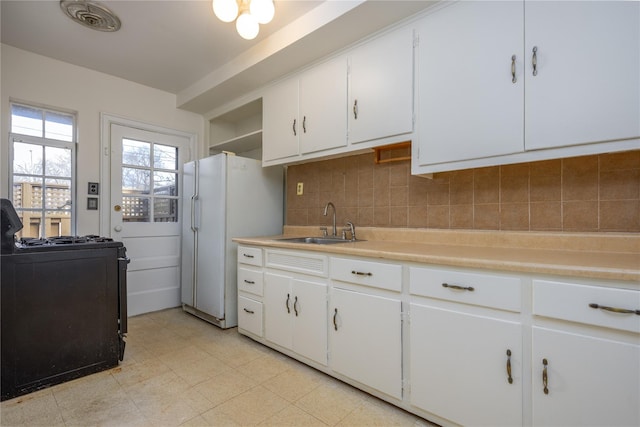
<point>181,371</point>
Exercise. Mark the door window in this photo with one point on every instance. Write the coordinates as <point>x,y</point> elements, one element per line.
<point>149,182</point>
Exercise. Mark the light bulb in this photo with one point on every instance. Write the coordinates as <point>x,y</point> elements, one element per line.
<point>263,10</point>
<point>247,26</point>
<point>225,10</point>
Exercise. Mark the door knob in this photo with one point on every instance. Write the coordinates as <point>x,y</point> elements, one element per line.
<point>118,228</point>
<point>117,208</point>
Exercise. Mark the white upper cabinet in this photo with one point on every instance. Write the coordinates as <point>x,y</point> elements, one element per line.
<point>481,103</point>
<point>468,104</point>
<point>381,87</point>
<point>586,87</point>
<point>280,121</point>
<point>323,113</point>
<point>306,113</point>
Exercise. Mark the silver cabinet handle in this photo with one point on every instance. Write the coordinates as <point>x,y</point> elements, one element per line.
<point>361,273</point>
<point>545,378</point>
<point>458,288</point>
<point>534,60</point>
<point>335,321</point>
<point>287,304</point>
<point>295,305</point>
<point>304,124</point>
<point>513,69</point>
<point>294,128</point>
<point>355,109</point>
<point>615,309</point>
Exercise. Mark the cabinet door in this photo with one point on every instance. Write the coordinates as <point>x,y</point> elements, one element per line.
<point>323,109</point>
<point>468,105</point>
<point>590,381</point>
<point>310,320</point>
<point>458,366</point>
<point>366,342</point>
<point>280,127</point>
<point>381,87</point>
<point>278,309</point>
<point>587,85</point>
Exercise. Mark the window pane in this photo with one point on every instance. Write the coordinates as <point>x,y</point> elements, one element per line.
<point>136,181</point>
<point>58,126</point>
<point>31,221</point>
<point>165,210</point>
<point>136,153</point>
<point>135,209</point>
<point>57,194</point>
<point>23,194</point>
<point>26,120</point>
<point>57,223</point>
<point>57,161</point>
<point>27,158</point>
<point>164,183</point>
<point>165,157</point>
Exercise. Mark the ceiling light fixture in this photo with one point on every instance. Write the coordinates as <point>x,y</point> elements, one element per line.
<point>250,14</point>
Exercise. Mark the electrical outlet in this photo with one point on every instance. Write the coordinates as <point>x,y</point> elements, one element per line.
<point>300,189</point>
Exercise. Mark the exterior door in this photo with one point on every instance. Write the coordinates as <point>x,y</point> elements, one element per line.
<point>145,213</point>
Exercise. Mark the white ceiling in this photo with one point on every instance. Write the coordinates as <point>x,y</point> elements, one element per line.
<point>179,46</point>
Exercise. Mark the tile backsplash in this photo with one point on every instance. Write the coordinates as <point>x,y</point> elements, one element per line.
<point>579,194</point>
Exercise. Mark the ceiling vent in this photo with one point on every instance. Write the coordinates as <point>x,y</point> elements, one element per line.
<point>91,14</point>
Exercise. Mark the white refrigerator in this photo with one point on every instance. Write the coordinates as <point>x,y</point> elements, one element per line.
<point>223,197</point>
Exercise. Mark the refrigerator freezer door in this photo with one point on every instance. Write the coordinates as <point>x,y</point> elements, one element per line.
<point>211,236</point>
<point>189,234</point>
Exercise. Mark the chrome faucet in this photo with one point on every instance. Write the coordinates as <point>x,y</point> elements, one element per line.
<point>335,231</point>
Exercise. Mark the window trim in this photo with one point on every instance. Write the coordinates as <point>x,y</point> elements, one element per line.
<point>46,142</point>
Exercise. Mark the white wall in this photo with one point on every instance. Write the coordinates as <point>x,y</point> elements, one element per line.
<point>32,78</point>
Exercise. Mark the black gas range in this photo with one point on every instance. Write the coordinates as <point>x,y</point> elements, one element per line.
<point>63,307</point>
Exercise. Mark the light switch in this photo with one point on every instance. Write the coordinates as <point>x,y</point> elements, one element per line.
<point>300,189</point>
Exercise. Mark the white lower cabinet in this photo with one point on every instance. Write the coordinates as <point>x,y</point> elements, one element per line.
<point>465,345</point>
<point>366,339</point>
<point>465,368</point>
<point>296,314</point>
<point>588,380</point>
<point>585,376</point>
<point>458,346</point>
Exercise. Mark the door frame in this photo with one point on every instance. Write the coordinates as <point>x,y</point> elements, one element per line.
<point>106,120</point>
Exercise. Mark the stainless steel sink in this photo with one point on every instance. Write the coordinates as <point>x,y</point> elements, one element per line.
<point>315,240</point>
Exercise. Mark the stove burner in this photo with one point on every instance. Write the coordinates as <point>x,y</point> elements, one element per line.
<point>62,240</point>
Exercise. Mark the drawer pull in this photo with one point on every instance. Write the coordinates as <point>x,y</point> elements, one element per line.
<point>251,282</point>
<point>247,256</point>
<point>458,288</point>
<point>615,309</point>
<point>534,60</point>
<point>361,273</point>
<point>249,311</point>
<point>335,321</point>
<point>545,379</point>
<point>287,304</point>
<point>513,69</point>
<point>509,378</point>
<point>295,305</point>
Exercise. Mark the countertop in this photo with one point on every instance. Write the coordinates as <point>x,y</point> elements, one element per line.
<point>614,256</point>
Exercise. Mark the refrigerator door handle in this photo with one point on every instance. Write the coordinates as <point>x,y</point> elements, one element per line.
<point>194,227</point>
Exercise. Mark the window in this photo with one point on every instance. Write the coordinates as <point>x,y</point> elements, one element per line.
<point>42,170</point>
<point>149,182</point>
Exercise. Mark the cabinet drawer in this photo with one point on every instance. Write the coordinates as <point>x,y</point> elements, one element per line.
<point>250,280</point>
<point>570,301</point>
<point>250,315</point>
<point>487,290</point>
<point>251,256</point>
<point>375,274</point>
